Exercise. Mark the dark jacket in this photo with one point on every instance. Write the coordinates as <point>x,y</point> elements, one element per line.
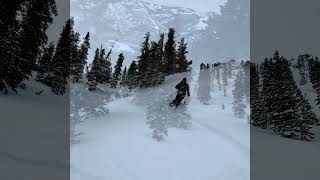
<point>183,88</point>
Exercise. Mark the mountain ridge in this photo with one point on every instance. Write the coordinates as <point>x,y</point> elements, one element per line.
<point>126,22</point>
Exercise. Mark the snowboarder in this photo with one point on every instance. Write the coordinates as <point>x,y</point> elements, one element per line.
<point>183,90</point>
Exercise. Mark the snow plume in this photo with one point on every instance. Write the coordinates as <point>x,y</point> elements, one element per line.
<point>85,104</point>
<point>159,115</point>
<point>204,84</point>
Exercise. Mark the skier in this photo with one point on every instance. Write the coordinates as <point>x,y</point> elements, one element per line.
<point>183,90</point>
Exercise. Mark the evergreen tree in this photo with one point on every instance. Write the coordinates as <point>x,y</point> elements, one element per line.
<point>238,96</point>
<point>256,104</point>
<point>314,66</point>
<point>124,77</point>
<point>288,111</point>
<point>170,53</point>
<point>306,118</point>
<point>9,46</point>
<point>22,38</point>
<point>60,67</point>
<point>132,75</point>
<point>95,73</point>
<point>106,68</point>
<point>35,22</point>
<point>143,62</point>
<point>154,74</point>
<point>101,59</point>
<point>182,62</point>
<point>117,72</point>
<point>246,79</point>
<point>45,63</point>
<point>82,59</point>
<point>75,61</point>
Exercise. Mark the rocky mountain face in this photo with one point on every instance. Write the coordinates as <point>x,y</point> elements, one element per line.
<point>125,22</point>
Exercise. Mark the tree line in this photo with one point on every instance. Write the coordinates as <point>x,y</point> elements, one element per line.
<point>157,59</point>
<point>23,27</point>
<point>276,101</point>
<point>25,52</point>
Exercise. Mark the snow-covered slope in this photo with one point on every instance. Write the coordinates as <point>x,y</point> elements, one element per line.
<point>128,20</point>
<point>119,146</point>
<point>34,128</point>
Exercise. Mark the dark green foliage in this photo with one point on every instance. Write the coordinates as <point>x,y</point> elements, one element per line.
<point>132,76</point>
<point>60,67</point>
<point>95,74</point>
<point>105,67</point>
<point>45,63</point>
<point>124,81</point>
<point>285,109</point>
<point>170,53</point>
<point>256,104</point>
<point>117,72</point>
<point>182,62</point>
<point>79,58</point>
<point>23,26</point>
<point>314,66</point>
<point>144,61</point>
<point>35,23</point>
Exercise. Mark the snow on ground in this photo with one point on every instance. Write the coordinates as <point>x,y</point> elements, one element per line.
<point>119,145</point>
<point>285,158</point>
<point>33,130</point>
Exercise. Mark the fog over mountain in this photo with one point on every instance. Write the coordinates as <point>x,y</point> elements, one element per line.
<point>125,22</point>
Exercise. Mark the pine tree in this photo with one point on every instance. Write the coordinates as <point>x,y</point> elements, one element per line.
<point>238,96</point>
<point>35,23</point>
<point>60,67</point>
<point>124,77</point>
<point>182,62</point>
<point>246,70</point>
<point>314,66</point>
<point>22,38</point>
<point>170,53</point>
<point>9,46</point>
<point>307,119</point>
<point>45,63</point>
<point>154,74</point>
<point>101,59</point>
<point>75,61</point>
<point>132,75</point>
<point>256,104</point>
<point>106,68</point>
<point>117,72</point>
<point>82,59</point>
<point>95,73</point>
<point>143,62</point>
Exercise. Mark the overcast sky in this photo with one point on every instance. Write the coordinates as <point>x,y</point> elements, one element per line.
<point>199,5</point>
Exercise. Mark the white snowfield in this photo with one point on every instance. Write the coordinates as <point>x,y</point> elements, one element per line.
<point>33,130</point>
<point>119,146</point>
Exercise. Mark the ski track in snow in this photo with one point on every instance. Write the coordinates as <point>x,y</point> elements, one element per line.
<point>227,137</point>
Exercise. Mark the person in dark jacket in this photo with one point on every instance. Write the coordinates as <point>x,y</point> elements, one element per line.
<point>183,90</point>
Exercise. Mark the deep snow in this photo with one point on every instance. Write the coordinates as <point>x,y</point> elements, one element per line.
<point>119,146</point>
